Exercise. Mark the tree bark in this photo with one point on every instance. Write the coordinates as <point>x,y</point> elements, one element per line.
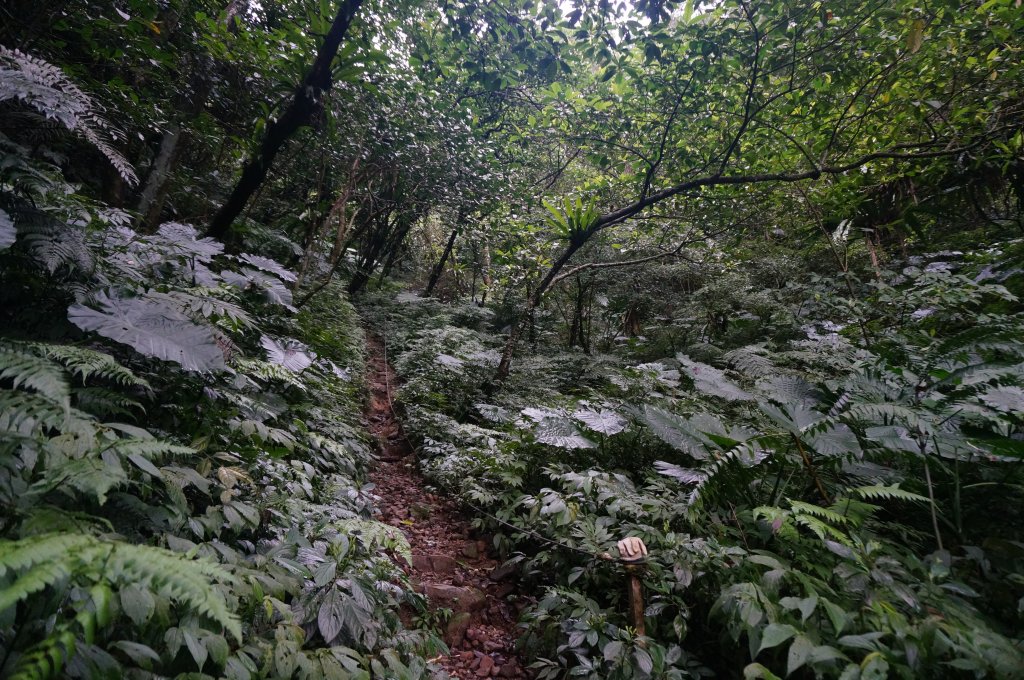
<point>578,327</point>
<point>154,194</point>
<point>532,302</point>
<point>435,274</point>
<point>340,210</point>
<point>307,99</point>
<point>485,274</point>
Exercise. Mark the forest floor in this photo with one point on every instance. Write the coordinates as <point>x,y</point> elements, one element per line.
<point>473,596</point>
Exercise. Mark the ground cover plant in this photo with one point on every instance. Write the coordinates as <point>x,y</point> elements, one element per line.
<point>740,279</point>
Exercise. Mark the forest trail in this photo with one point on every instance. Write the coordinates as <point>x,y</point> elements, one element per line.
<point>451,566</point>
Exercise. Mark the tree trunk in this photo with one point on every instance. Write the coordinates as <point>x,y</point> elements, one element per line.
<point>577,328</point>
<point>873,253</point>
<point>435,274</point>
<point>154,194</point>
<point>307,99</point>
<point>339,209</point>
<point>376,245</point>
<point>533,301</point>
<point>631,325</point>
<point>485,274</point>
<point>360,277</point>
<point>233,14</point>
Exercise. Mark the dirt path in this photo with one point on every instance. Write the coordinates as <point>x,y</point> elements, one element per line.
<point>450,566</point>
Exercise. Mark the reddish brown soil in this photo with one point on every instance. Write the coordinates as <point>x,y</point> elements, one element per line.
<point>451,565</point>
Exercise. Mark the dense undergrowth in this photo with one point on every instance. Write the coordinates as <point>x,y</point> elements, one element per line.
<point>813,504</point>
<point>742,279</point>
<point>183,470</point>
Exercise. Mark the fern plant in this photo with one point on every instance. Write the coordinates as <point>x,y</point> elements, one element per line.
<point>46,574</point>
<point>44,87</point>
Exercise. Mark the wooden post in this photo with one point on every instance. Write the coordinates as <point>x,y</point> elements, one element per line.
<point>633,553</point>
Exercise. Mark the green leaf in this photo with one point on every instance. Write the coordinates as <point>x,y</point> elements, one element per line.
<point>1008,399</point>
<point>643,660</point>
<point>824,653</point>
<point>874,667</point>
<point>605,421</point>
<point>144,464</point>
<point>331,618</point>
<point>196,648</point>
<point>138,603</point>
<point>560,431</point>
<point>711,381</point>
<point>153,328</point>
<point>836,615</point>
<point>8,234</point>
<point>137,652</point>
<point>675,431</point>
<point>798,655</point>
<point>756,671</point>
<point>775,634</point>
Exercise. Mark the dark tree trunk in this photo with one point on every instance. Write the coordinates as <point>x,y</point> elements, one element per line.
<point>435,274</point>
<point>307,100</point>
<point>371,252</point>
<point>533,301</point>
<point>485,274</point>
<point>393,244</point>
<point>578,327</point>
<point>359,279</point>
<point>392,257</point>
<point>154,193</point>
<point>632,325</point>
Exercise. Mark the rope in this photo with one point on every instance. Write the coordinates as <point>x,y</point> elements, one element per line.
<point>527,532</point>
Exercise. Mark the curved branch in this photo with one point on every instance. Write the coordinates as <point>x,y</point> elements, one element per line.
<point>622,263</point>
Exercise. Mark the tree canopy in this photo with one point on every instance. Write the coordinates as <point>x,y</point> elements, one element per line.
<point>739,278</point>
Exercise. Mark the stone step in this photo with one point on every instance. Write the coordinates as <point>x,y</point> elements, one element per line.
<point>457,598</point>
<point>442,565</point>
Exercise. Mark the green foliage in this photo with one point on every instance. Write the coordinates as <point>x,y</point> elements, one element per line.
<point>756,267</point>
<point>44,87</point>
<point>823,498</point>
<point>140,578</point>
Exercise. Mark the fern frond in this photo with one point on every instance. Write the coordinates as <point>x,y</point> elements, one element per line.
<point>710,380</point>
<point>883,493</point>
<point>821,529</point>
<point>376,535</point>
<point>789,388</point>
<point>801,508</point>
<point>24,368</point>
<point>751,361</point>
<point>43,561</point>
<point>46,658</point>
<point>153,327</point>
<point>992,336</point>
<point>56,245</point>
<point>41,554</point>
<point>978,374</point>
<point>8,233</point>
<point>85,363</point>
<point>149,448</point>
<point>28,413</point>
<point>888,414</point>
<point>674,430</point>
<point>48,90</point>
<point>185,581</point>
<point>266,371</point>
<point>104,402</point>
<point>200,303</point>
